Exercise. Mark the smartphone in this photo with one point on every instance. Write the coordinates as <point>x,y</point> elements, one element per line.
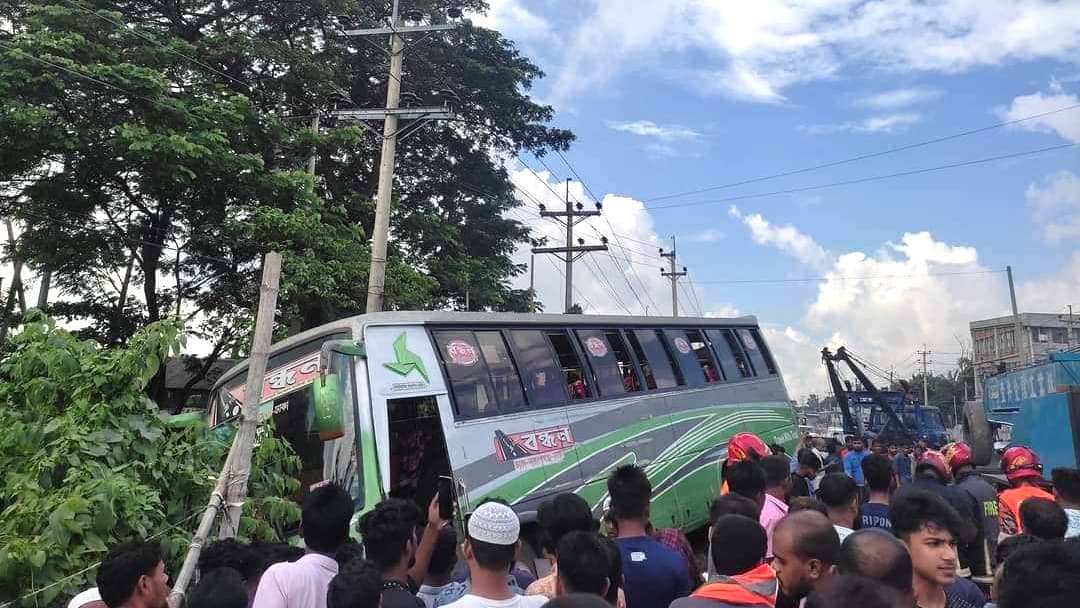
<point>446,498</point>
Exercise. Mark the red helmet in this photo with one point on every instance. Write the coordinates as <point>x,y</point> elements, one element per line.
<point>743,446</point>
<point>1019,462</point>
<point>957,454</point>
<point>933,458</point>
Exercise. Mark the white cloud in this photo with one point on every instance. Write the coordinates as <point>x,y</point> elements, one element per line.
<point>887,123</point>
<point>1064,124</point>
<point>513,21</point>
<point>898,98</point>
<point>1057,206</point>
<point>648,128</point>
<point>597,275</point>
<point>785,238</point>
<point>754,51</point>
<point>708,235</point>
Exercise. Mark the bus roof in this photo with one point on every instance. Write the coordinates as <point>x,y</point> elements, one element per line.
<point>421,317</point>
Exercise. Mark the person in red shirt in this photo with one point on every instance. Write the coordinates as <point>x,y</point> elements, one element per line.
<point>1023,469</point>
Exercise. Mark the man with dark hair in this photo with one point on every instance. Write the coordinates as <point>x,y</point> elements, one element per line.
<point>1067,494</point>
<point>324,524</point>
<point>491,542</point>
<point>389,533</point>
<point>747,478</point>
<point>231,553</point>
<point>358,585</point>
<point>802,480</point>
<point>878,555</point>
<point>582,565</point>
<point>653,574</point>
<point>733,504</point>
<point>929,527</point>
<point>852,591</point>
<point>743,578</point>
<point>443,560</point>
<point>133,575</point>
<point>577,600</point>
<point>841,497</point>
<point>219,588</point>
<point>556,518</point>
<point>614,595</point>
<point>1042,575</point>
<point>777,484</point>
<point>1043,519</point>
<point>807,503</point>
<point>880,481</point>
<point>853,462</point>
<point>805,551</point>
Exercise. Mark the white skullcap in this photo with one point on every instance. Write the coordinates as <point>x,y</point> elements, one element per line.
<point>90,595</point>
<point>494,523</point>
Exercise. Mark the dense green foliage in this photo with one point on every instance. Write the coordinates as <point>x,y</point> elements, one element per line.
<point>88,461</point>
<point>153,151</point>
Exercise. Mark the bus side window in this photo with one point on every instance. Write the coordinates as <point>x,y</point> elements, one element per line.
<point>601,354</point>
<point>678,346</point>
<point>750,346</point>
<point>712,372</point>
<point>659,359</point>
<point>504,376</point>
<point>643,363</point>
<point>626,364</point>
<point>736,349</point>
<point>468,373</point>
<point>539,370</point>
<point>572,369</point>
<point>763,348</point>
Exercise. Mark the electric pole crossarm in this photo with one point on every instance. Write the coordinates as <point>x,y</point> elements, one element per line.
<point>582,214</point>
<point>405,29</point>
<point>568,250</point>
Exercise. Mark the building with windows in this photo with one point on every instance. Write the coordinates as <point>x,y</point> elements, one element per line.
<point>998,350</point>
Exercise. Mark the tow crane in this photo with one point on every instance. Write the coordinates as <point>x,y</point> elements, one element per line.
<point>890,417</point>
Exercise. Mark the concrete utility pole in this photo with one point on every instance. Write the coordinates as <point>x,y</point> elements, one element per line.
<point>390,115</point>
<point>571,253</point>
<point>532,282</point>
<point>925,354</point>
<point>1022,350</point>
<point>674,277</point>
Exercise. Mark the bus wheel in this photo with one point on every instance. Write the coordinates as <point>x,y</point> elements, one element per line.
<point>977,434</point>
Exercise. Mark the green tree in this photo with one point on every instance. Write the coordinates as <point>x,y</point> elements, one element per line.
<point>575,310</point>
<point>156,186</point>
<point>88,461</point>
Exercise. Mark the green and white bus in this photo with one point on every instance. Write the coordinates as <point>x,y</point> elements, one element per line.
<point>519,406</point>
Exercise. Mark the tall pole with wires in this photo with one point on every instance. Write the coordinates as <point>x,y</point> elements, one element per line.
<point>571,252</point>
<point>673,276</point>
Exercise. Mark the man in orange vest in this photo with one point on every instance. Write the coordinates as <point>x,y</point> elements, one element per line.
<point>743,578</point>
<point>1023,469</point>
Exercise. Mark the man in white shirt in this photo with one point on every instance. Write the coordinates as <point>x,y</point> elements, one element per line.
<point>324,524</point>
<point>1067,494</point>
<point>490,545</point>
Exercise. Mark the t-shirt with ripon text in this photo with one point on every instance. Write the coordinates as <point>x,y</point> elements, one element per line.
<point>653,575</point>
<point>874,515</point>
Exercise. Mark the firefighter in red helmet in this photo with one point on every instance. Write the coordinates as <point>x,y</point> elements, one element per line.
<point>1023,469</point>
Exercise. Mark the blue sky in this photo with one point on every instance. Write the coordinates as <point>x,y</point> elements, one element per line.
<point>670,96</point>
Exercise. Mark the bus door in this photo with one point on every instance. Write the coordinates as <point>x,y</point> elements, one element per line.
<point>409,407</point>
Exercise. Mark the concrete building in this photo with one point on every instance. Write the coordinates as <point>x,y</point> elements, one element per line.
<point>997,350</point>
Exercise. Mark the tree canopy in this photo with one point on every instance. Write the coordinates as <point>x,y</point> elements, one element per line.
<point>153,151</point>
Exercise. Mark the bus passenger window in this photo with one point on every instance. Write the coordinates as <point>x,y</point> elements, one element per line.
<point>572,370</point>
<point>764,350</point>
<point>678,345</point>
<point>658,358</point>
<point>709,368</point>
<point>740,359</point>
<point>539,370</point>
<point>610,372</point>
<point>750,346</point>
<point>646,369</point>
<point>504,377</point>
<point>626,364</point>
<point>468,374</point>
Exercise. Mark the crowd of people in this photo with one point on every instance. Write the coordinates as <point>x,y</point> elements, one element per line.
<point>784,532</point>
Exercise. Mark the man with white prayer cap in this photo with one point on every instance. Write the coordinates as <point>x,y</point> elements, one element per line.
<point>91,598</point>
<point>490,546</point>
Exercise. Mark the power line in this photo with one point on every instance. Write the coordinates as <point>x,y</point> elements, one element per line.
<point>842,278</point>
<point>869,179</point>
<point>852,159</point>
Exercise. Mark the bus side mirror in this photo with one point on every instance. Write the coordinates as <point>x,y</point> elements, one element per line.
<point>329,421</point>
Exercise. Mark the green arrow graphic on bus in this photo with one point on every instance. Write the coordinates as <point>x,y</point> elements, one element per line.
<point>407,360</point>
